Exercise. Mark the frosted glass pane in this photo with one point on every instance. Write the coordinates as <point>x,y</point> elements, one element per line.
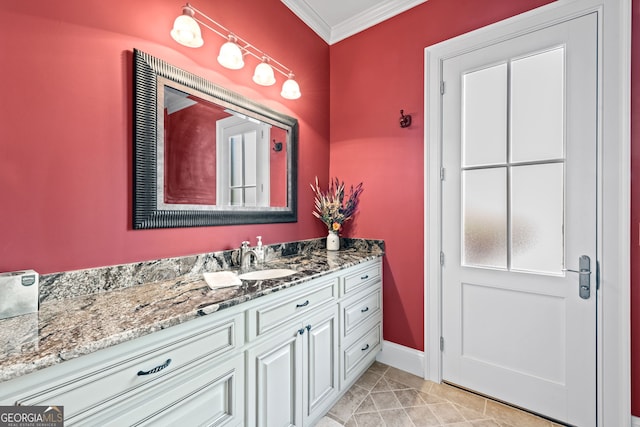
<point>484,217</point>
<point>537,218</point>
<point>537,106</point>
<point>236,197</point>
<point>250,196</point>
<point>484,116</point>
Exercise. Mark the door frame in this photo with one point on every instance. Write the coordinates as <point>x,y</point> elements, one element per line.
<point>614,180</point>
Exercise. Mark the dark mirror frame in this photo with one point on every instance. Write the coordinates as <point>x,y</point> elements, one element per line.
<point>147,71</point>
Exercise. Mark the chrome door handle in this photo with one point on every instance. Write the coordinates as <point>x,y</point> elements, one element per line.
<point>584,276</point>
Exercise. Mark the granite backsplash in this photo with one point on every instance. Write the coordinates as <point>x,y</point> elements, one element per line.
<point>70,284</point>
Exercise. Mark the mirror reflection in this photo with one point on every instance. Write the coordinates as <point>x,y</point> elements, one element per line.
<point>214,156</point>
<point>204,155</point>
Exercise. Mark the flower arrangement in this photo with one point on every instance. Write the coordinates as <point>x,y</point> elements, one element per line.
<point>331,206</point>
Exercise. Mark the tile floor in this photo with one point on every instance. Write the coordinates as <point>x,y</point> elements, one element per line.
<point>386,396</point>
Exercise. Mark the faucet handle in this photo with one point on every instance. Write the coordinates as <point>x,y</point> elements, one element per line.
<point>259,241</point>
<point>245,244</point>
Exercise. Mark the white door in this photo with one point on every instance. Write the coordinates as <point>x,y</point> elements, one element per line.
<point>242,163</point>
<point>519,207</point>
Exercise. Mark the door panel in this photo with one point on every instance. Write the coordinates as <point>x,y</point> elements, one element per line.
<point>322,363</point>
<point>275,369</point>
<point>519,207</point>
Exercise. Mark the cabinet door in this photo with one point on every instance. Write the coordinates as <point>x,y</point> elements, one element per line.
<point>321,371</point>
<point>275,380</point>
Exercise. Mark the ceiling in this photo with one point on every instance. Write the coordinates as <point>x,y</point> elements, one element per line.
<point>335,20</point>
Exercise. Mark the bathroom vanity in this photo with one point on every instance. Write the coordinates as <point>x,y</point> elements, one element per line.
<point>270,352</point>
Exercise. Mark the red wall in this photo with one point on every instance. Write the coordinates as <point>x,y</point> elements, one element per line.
<point>278,168</point>
<point>374,75</point>
<point>190,153</point>
<point>65,124</point>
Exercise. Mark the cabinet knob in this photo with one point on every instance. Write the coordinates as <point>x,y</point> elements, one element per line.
<point>300,331</point>
<point>308,327</point>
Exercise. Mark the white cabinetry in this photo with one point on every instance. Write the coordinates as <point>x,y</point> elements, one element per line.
<point>190,371</point>
<point>360,320</point>
<point>279,360</point>
<point>292,377</point>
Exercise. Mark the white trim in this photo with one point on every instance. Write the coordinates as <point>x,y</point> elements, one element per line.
<point>614,406</point>
<point>614,328</point>
<point>310,17</point>
<point>635,421</point>
<point>401,357</point>
<point>363,20</point>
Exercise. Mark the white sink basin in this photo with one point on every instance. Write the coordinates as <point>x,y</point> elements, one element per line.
<point>273,273</point>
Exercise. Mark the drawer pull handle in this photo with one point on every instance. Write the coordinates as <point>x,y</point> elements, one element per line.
<point>300,331</point>
<point>365,277</point>
<point>365,348</point>
<point>156,369</point>
<point>304,304</point>
<point>364,310</point>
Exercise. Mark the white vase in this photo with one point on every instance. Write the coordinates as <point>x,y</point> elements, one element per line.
<point>333,241</point>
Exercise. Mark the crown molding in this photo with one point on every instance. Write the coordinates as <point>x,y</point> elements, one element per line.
<point>367,18</point>
<point>371,17</point>
<point>310,17</point>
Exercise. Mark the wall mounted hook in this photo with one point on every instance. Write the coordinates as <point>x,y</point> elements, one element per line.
<point>405,121</point>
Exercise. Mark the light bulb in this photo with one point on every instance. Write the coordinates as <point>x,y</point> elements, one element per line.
<point>290,88</point>
<point>186,30</point>
<point>231,55</point>
<point>263,75</point>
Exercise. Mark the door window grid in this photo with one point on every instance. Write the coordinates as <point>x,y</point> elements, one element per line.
<point>242,185</point>
<point>471,255</point>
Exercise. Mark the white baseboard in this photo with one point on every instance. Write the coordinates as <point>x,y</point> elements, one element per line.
<point>404,358</point>
<point>635,421</point>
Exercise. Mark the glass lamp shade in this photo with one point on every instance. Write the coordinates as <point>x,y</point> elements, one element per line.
<point>290,89</point>
<point>263,75</point>
<point>231,56</point>
<point>186,31</point>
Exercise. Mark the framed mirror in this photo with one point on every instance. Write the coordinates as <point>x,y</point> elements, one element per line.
<point>204,155</point>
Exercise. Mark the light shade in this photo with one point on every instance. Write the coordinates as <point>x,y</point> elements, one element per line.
<point>231,55</point>
<point>186,30</point>
<point>263,75</point>
<point>290,89</point>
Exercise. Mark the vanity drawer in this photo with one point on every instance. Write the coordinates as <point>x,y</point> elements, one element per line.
<point>267,317</point>
<point>353,282</point>
<point>357,356</point>
<point>360,309</point>
<point>210,393</point>
<point>87,389</point>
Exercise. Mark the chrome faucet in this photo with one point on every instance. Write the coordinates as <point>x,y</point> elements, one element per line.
<point>246,253</point>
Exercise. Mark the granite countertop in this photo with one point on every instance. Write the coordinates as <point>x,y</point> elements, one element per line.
<point>64,329</point>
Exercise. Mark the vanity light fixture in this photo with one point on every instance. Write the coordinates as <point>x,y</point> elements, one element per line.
<point>186,31</point>
<point>263,75</point>
<point>230,55</point>
<point>290,88</point>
